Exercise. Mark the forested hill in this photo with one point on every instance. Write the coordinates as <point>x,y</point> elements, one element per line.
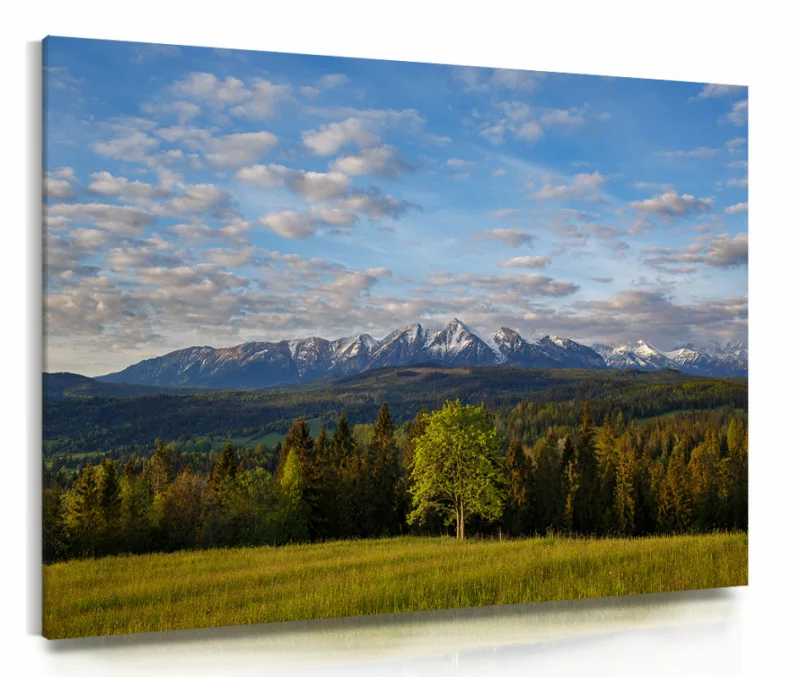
<point>85,419</point>
<point>67,384</point>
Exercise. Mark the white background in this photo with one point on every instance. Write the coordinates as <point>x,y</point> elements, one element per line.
<point>746,631</point>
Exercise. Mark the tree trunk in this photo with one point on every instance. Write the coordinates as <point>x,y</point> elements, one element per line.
<point>460,522</point>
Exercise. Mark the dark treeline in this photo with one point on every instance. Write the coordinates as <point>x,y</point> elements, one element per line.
<point>112,426</point>
<point>592,469</point>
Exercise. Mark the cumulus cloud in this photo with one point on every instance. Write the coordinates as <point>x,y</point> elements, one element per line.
<point>735,145</point>
<point>330,138</point>
<point>510,288</point>
<point>312,186</point>
<point>737,115</point>
<point>582,187</point>
<point>727,252</point>
<point>738,208</point>
<point>116,218</point>
<point>232,230</point>
<point>511,237</point>
<point>603,232</point>
<point>699,152</point>
<point>237,150</point>
<point>714,91</point>
<point>487,80</point>
<point>199,198</point>
<point>107,185</point>
<point>671,205</point>
<point>381,160</point>
<point>332,80</point>
<point>133,147</point>
<point>526,262</point>
<point>57,185</point>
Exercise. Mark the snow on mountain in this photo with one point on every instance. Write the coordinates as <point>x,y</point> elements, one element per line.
<point>456,344</point>
<point>259,364</point>
<point>640,355</point>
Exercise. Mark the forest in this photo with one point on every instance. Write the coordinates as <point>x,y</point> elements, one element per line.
<point>669,459</point>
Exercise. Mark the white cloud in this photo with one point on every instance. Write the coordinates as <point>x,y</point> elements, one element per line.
<point>525,262</point>
<point>486,80</point>
<point>728,252</point>
<point>381,160</point>
<point>332,80</point>
<point>734,145</point>
<point>133,147</point>
<point>236,150</point>
<point>582,187</point>
<point>503,213</point>
<point>714,91</point>
<point>511,237</point>
<point>105,184</point>
<point>116,218</point>
<point>199,198</point>
<point>670,204</point>
<point>739,208</point>
<point>312,186</point>
<point>57,184</point>
<point>207,87</point>
<point>700,152</point>
<point>737,114</point>
<point>329,138</point>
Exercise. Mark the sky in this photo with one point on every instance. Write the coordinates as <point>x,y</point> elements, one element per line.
<point>197,196</point>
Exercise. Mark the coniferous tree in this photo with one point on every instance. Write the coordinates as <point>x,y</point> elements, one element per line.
<point>607,455</point>
<point>519,470</point>
<point>584,513</point>
<point>384,476</point>
<point>675,504</point>
<point>54,536</point>
<point>705,482</point>
<point>624,488</point>
<point>110,498</point>
<point>84,516</point>
<point>160,468</point>
<point>548,488</point>
<point>227,466</point>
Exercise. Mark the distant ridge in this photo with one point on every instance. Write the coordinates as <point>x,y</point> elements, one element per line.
<point>261,364</point>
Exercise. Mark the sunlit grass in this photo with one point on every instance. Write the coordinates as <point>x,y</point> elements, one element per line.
<point>145,593</point>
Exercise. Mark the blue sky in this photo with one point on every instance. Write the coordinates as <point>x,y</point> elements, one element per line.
<point>197,196</point>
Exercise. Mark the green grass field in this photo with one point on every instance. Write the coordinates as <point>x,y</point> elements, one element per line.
<point>144,593</point>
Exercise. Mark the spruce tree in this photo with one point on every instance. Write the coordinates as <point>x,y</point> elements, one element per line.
<point>519,471</point>
<point>385,471</point>
<point>584,517</point>
<point>227,465</point>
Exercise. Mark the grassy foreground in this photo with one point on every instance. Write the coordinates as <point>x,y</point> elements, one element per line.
<point>144,593</point>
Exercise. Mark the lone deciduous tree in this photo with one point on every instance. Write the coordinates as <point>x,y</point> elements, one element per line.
<point>457,467</point>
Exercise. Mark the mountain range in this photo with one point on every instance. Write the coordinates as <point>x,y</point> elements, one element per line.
<point>260,364</point>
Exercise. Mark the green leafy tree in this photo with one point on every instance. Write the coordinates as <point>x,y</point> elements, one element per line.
<point>186,504</point>
<point>457,467</point>
<point>292,513</point>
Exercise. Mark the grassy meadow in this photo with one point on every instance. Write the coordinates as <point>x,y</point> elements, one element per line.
<point>146,593</point>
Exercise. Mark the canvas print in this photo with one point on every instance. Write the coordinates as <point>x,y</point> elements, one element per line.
<point>333,337</point>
